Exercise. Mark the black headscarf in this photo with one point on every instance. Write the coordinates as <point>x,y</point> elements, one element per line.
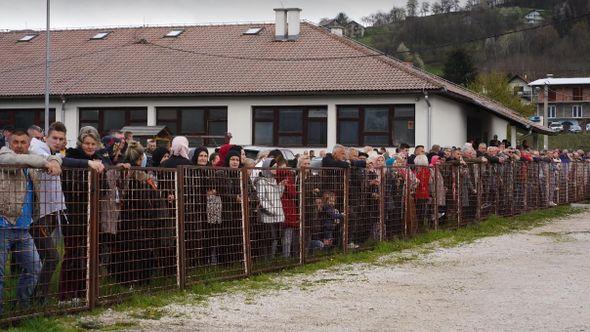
<point>157,156</point>
<point>197,153</point>
<point>232,153</point>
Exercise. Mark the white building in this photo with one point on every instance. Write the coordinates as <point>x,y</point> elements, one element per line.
<point>283,84</point>
<point>534,17</point>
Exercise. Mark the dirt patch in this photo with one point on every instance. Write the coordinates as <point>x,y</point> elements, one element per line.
<point>534,280</point>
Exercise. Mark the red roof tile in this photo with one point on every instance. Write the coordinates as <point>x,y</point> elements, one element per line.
<point>208,60</point>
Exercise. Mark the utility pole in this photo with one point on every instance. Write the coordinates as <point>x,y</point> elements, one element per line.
<point>545,115</point>
<point>47,45</point>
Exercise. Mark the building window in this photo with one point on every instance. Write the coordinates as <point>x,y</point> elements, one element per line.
<point>376,125</point>
<point>201,125</point>
<point>24,118</point>
<point>107,119</point>
<point>577,111</point>
<point>551,111</point>
<point>577,93</point>
<point>290,126</point>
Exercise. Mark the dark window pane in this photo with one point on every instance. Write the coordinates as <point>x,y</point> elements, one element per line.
<point>348,133</point>
<point>403,132</point>
<point>217,128</point>
<point>317,133</point>
<point>195,141</point>
<point>84,124</point>
<point>348,112</point>
<point>379,140</point>
<point>264,114</point>
<point>290,121</point>
<point>215,141</point>
<point>114,119</point>
<point>404,111</point>
<point>24,119</point>
<point>376,119</point>
<point>317,113</point>
<point>193,121</point>
<point>89,115</point>
<point>166,114</point>
<point>290,141</point>
<point>138,123</point>
<point>263,133</point>
<point>218,114</point>
<point>138,115</point>
<point>171,125</point>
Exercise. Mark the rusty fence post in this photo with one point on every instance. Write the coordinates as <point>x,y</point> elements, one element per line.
<point>435,197</point>
<point>246,221</point>
<point>406,194</point>
<point>382,205</point>
<point>478,188</point>
<point>92,277</point>
<point>346,208</point>
<point>497,189</point>
<point>302,211</point>
<point>457,176</point>
<point>179,192</point>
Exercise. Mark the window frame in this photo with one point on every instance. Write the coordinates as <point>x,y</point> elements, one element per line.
<point>579,96</point>
<point>99,124</point>
<point>303,133</point>
<point>551,108</point>
<point>205,135</point>
<point>576,109</point>
<point>39,116</point>
<point>551,94</point>
<point>361,133</point>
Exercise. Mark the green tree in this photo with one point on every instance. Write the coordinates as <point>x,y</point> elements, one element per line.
<point>494,85</point>
<point>459,67</point>
<point>342,19</point>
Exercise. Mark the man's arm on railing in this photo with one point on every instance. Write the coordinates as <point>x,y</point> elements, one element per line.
<point>8,157</point>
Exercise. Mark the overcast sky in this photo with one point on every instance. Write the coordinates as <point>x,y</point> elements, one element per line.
<point>30,14</point>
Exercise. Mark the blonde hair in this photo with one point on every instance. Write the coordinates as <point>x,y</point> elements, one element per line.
<point>134,152</point>
<point>88,131</point>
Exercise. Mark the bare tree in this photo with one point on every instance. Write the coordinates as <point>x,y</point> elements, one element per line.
<point>425,8</point>
<point>412,8</point>
<point>437,8</point>
<point>342,19</point>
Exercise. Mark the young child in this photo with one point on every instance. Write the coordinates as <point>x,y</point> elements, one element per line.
<point>329,217</point>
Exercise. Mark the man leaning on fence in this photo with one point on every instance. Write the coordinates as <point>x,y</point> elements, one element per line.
<point>19,204</point>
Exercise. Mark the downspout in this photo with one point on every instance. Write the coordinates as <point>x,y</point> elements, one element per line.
<point>63,109</point>
<point>429,120</point>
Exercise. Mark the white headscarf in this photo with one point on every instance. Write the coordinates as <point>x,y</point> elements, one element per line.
<point>180,147</point>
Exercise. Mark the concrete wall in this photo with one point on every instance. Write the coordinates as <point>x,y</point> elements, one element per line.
<point>449,122</point>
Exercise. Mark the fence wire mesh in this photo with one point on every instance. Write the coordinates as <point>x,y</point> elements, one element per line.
<point>95,238</point>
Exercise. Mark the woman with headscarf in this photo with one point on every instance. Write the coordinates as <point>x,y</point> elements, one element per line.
<point>72,283</point>
<point>133,257</point>
<point>270,211</point>
<point>178,153</point>
<point>438,187</point>
<point>227,236</point>
<point>160,155</point>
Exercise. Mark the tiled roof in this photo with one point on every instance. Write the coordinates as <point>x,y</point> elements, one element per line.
<point>209,60</point>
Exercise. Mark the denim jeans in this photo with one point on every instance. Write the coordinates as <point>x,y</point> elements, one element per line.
<point>26,254</point>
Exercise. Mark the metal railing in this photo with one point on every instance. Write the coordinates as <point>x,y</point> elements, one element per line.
<point>99,238</point>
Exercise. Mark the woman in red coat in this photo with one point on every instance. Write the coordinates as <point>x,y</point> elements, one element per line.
<point>290,208</point>
<point>423,190</point>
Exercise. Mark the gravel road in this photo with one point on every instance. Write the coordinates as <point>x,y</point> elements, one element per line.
<point>533,280</point>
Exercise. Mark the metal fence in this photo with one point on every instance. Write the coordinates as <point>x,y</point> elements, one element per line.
<point>98,238</point>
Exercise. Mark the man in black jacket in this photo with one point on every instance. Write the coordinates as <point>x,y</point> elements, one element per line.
<point>336,159</point>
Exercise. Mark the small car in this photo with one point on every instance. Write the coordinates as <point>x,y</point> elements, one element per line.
<point>556,126</point>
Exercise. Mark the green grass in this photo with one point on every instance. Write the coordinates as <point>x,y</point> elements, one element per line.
<point>147,306</point>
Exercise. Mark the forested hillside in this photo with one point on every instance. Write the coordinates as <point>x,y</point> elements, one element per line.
<point>494,33</point>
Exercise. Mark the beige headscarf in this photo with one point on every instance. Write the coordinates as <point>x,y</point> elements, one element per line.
<point>180,147</point>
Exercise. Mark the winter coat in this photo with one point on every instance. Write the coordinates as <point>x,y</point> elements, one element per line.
<point>423,189</point>
<point>13,183</point>
<point>289,198</point>
<point>269,196</point>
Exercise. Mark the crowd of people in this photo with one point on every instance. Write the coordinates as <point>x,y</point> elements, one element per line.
<point>38,200</point>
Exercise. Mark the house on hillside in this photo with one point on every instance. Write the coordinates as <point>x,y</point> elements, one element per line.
<point>534,17</point>
<point>568,99</point>
<point>352,29</point>
<point>288,83</point>
<point>519,85</point>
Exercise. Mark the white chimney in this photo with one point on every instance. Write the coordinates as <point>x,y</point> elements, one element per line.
<point>287,23</point>
<point>280,24</point>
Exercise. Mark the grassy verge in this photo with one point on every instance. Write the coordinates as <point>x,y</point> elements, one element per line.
<point>148,306</point>
<point>570,141</point>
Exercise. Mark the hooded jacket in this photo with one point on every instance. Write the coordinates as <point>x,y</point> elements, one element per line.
<point>269,196</point>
